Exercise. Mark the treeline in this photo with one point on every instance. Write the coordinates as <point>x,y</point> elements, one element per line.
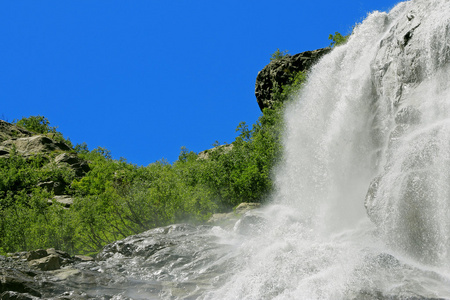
<point>116,199</point>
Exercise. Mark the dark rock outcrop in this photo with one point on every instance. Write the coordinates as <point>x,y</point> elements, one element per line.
<point>80,166</point>
<point>278,73</point>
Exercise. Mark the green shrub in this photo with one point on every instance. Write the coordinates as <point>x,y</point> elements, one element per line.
<point>278,55</point>
<point>41,125</point>
<point>337,39</point>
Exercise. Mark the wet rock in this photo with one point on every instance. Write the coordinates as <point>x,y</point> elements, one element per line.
<point>13,280</point>
<point>10,295</point>
<point>246,206</point>
<point>250,224</point>
<point>228,220</point>
<point>83,258</point>
<point>408,115</point>
<point>146,243</point>
<point>65,274</point>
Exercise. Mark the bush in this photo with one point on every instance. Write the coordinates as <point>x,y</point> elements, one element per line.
<point>278,55</point>
<point>41,125</point>
<point>337,39</point>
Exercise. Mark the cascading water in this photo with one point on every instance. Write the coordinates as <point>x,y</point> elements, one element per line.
<point>362,206</point>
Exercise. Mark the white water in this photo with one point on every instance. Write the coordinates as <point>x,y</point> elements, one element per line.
<point>373,119</point>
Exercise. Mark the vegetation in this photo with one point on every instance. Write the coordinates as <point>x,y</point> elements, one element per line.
<point>116,198</point>
<point>337,39</point>
<point>278,55</point>
<point>41,125</point>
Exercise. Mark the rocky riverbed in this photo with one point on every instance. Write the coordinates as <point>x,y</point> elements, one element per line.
<point>179,261</point>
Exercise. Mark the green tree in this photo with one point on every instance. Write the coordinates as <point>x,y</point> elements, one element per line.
<point>337,39</point>
<point>278,55</point>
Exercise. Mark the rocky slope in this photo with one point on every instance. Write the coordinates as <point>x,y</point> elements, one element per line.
<point>28,144</point>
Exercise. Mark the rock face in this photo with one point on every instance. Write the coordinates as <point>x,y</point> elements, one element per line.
<point>26,143</point>
<point>29,146</point>
<point>408,198</point>
<point>80,166</point>
<point>278,72</point>
<point>8,131</point>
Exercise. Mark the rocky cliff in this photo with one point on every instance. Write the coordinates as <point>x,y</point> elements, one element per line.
<point>278,73</point>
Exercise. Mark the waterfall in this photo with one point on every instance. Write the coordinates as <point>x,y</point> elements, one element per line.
<point>362,207</point>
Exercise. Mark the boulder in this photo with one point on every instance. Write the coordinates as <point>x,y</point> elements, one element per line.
<point>48,263</point>
<point>35,254</point>
<point>29,146</point>
<point>13,280</point>
<point>278,73</point>
<point>65,200</point>
<point>251,223</point>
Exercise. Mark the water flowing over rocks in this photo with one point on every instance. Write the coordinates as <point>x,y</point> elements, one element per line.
<point>411,72</point>
<point>179,261</point>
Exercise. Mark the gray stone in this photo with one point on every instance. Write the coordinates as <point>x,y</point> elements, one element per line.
<point>10,295</point>
<point>17,281</point>
<point>10,131</point>
<point>65,200</point>
<point>36,254</point>
<point>51,262</point>
<point>29,146</point>
<point>219,149</point>
<point>84,258</point>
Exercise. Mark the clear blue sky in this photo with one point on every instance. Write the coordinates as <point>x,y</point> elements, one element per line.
<point>143,78</point>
